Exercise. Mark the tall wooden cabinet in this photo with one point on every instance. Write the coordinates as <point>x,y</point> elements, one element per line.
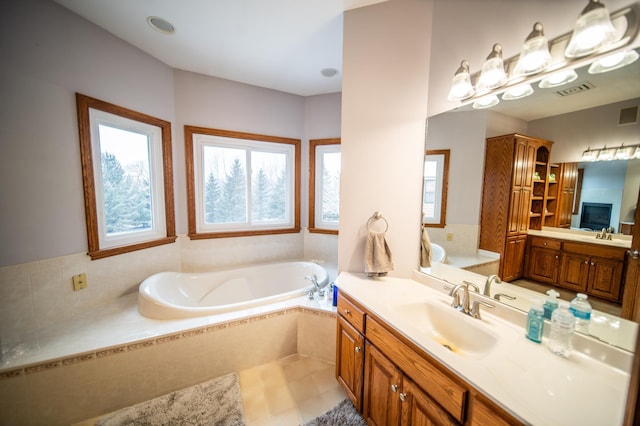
<point>514,197</point>
<point>566,194</point>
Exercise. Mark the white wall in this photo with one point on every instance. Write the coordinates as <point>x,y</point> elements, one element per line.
<point>384,100</point>
<point>48,54</point>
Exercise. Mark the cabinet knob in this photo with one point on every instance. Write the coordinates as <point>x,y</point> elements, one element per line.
<point>586,262</point>
<point>347,312</point>
<point>403,396</point>
<point>545,244</point>
<point>358,349</point>
<point>557,257</point>
<point>592,264</point>
<point>394,388</point>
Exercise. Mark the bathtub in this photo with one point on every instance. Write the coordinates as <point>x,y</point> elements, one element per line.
<point>170,295</point>
<point>438,253</point>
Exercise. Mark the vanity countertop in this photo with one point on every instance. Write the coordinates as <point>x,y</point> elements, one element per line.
<point>523,377</point>
<point>582,237</point>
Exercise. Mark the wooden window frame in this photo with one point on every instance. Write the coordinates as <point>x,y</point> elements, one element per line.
<point>84,104</point>
<point>312,184</point>
<point>189,132</point>
<point>445,186</point>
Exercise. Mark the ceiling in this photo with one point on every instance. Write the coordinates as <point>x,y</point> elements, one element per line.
<point>276,44</point>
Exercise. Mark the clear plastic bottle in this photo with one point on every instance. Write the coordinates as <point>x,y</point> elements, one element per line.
<point>535,321</point>
<point>551,304</point>
<point>562,327</point>
<point>581,309</point>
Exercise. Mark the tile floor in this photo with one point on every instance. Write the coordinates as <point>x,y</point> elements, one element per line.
<point>287,392</point>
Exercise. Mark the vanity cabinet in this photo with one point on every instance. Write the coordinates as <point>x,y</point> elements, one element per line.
<point>350,350</point>
<point>401,383</point>
<point>513,197</point>
<point>544,259</point>
<point>590,268</point>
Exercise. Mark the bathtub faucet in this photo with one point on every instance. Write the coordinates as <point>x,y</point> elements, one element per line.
<point>318,287</point>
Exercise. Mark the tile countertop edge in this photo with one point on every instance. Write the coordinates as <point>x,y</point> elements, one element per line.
<point>558,391</point>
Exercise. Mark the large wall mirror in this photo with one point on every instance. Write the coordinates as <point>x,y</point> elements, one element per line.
<point>585,113</point>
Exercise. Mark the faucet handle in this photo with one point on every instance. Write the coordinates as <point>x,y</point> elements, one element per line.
<point>472,285</point>
<point>475,308</point>
<point>506,296</point>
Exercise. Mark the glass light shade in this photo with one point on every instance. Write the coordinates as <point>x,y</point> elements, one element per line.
<point>518,92</point>
<point>624,152</point>
<point>535,55</point>
<point>486,102</point>
<point>607,154</point>
<point>492,75</point>
<point>636,153</point>
<point>592,31</point>
<point>590,155</point>
<point>461,87</point>
<point>613,61</point>
<point>558,79</point>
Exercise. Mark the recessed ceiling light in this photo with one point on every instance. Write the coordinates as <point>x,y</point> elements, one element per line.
<point>329,72</point>
<point>161,25</point>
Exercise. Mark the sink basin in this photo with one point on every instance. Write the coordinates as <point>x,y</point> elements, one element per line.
<point>450,328</point>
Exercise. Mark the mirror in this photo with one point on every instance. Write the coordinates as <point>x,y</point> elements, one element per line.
<point>593,98</point>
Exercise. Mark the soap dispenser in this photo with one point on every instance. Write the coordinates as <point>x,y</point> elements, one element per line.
<point>535,321</point>
<point>551,304</point>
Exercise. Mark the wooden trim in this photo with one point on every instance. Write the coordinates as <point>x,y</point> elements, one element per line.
<point>576,202</point>
<point>313,143</point>
<point>445,188</point>
<point>189,132</point>
<point>83,104</point>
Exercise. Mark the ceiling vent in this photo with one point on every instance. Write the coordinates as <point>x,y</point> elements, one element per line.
<point>579,88</point>
<point>628,116</point>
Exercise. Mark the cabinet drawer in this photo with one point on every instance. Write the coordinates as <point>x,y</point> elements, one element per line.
<point>599,250</point>
<point>350,312</point>
<point>443,389</point>
<point>548,243</point>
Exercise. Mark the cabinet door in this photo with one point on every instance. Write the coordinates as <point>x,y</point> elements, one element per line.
<point>383,383</point>
<point>486,413</point>
<point>350,361</point>
<point>574,272</point>
<point>419,409</point>
<point>513,263</point>
<point>543,265</point>
<point>605,276</point>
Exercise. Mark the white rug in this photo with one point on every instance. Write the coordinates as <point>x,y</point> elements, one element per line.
<point>343,414</point>
<point>216,402</point>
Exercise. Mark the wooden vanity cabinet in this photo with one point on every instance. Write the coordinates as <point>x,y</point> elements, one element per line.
<point>400,383</point>
<point>543,261</point>
<point>350,350</point>
<point>513,201</point>
<point>592,269</point>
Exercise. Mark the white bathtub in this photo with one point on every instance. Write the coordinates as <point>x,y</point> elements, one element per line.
<point>438,253</point>
<point>169,295</point>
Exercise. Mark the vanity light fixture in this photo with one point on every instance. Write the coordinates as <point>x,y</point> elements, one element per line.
<point>486,102</point>
<point>607,154</point>
<point>518,92</point>
<point>624,152</point>
<point>636,152</point>
<point>558,79</point>
<point>592,31</point>
<point>461,87</point>
<point>535,55</point>
<point>493,74</point>
<point>590,155</point>
<point>613,61</point>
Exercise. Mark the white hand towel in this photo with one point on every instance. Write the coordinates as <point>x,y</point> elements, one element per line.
<point>425,252</point>
<point>377,257</point>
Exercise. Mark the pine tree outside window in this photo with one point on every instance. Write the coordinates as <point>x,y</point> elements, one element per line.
<point>241,184</point>
<point>324,185</point>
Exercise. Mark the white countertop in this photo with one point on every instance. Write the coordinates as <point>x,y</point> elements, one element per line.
<point>582,236</point>
<point>523,377</point>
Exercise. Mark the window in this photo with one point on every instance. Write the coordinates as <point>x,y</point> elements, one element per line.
<point>241,184</point>
<point>324,185</point>
<point>128,178</point>
<point>434,197</point>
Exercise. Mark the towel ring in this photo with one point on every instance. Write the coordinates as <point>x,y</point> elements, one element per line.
<point>377,216</point>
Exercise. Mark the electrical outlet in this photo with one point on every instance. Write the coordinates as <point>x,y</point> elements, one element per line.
<point>449,237</point>
<point>79,282</point>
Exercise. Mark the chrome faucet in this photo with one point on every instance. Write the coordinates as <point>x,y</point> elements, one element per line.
<point>604,235</point>
<point>456,303</point>
<point>475,308</point>
<point>487,285</point>
<point>318,287</point>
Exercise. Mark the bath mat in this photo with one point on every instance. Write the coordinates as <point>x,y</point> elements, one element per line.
<point>343,414</point>
<point>215,402</point>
